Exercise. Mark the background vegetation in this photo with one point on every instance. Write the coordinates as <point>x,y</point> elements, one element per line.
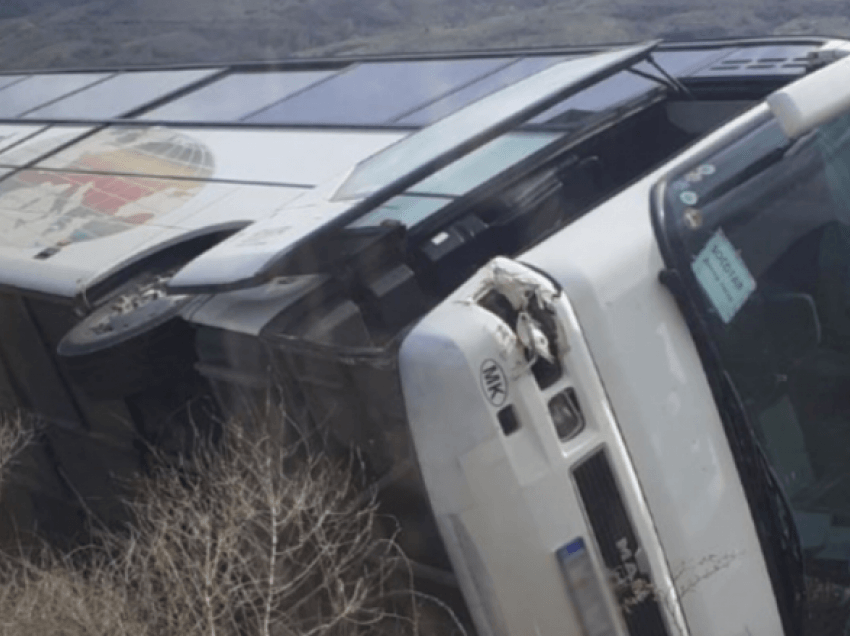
<point>75,33</point>
<point>249,536</point>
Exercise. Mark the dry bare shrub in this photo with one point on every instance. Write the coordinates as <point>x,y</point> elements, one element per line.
<point>248,535</point>
<point>257,537</point>
<point>17,431</point>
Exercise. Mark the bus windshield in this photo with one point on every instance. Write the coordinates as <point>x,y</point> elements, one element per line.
<point>759,233</point>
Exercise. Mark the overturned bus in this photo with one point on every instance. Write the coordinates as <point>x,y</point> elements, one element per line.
<point>583,311</point>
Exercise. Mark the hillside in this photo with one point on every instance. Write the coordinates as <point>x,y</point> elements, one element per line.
<point>75,33</point>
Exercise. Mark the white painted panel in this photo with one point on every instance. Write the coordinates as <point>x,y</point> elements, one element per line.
<point>39,144</point>
<point>240,203</point>
<point>69,271</point>
<point>11,134</point>
<point>243,257</point>
<point>100,223</point>
<point>296,157</point>
<point>218,206</point>
<point>40,209</point>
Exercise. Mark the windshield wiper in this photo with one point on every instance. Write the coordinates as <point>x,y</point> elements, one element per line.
<point>783,549</point>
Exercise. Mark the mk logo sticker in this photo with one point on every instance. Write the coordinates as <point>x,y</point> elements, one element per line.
<point>494,383</point>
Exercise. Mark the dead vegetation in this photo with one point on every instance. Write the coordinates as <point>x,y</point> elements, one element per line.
<point>49,594</point>
<point>251,536</point>
<point>16,432</point>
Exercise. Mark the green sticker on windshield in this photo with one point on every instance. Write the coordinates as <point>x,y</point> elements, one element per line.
<point>723,276</point>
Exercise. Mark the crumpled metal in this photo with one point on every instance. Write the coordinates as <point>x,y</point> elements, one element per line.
<point>520,292</point>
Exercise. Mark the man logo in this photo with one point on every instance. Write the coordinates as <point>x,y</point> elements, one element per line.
<point>494,383</point>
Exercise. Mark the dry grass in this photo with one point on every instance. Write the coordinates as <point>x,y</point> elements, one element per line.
<point>250,537</point>
<point>48,594</point>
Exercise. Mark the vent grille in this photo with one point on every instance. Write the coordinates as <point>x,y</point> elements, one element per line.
<point>760,65</point>
<point>760,61</point>
<point>621,551</point>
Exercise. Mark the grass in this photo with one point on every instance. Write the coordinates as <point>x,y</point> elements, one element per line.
<point>251,536</point>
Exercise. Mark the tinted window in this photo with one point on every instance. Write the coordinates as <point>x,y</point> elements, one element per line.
<point>495,113</point>
<point>410,210</point>
<point>237,96</point>
<point>377,93</point>
<point>120,94</point>
<point>38,90</point>
<point>478,166</point>
<point>8,80</point>
<point>458,99</point>
<point>607,93</point>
